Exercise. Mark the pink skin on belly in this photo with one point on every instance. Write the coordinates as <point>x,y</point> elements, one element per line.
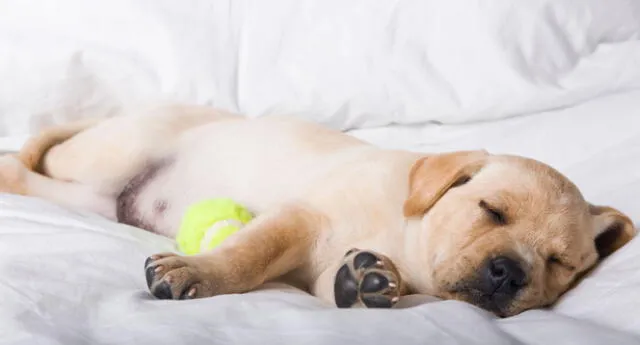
<point>126,204</point>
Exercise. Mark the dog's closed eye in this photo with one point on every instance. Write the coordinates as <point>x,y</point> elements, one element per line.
<point>497,216</point>
<point>555,260</point>
<point>462,180</point>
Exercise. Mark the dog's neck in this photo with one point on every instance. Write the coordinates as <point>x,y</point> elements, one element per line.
<point>415,263</point>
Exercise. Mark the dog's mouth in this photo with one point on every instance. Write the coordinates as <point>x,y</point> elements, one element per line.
<point>473,291</point>
<point>495,303</point>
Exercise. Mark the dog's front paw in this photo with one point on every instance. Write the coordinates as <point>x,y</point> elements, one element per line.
<point>367,278</point>
<point>170,276</point>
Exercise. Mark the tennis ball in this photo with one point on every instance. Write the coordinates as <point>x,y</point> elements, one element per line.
<point>207,223</point>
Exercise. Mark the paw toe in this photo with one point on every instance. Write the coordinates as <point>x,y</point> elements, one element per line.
<point>147,262</point>
<point>189,293</point>
<point>365,260</point>
<point>150,276</point>
<point>149,272</point>
<point>345,288</point>
<point>162,290</point>
<point>377,301</point>
<point>374,282</point>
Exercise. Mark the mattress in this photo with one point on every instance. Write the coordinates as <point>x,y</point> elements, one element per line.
<point>75,278</point>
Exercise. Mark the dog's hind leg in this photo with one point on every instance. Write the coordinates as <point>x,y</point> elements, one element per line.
<point>15,178</point>
<point>107,153</point>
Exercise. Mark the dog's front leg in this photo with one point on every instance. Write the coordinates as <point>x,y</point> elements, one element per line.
<point>270,246</point>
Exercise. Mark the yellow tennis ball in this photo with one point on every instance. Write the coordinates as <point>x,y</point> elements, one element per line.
<point>207,223</point>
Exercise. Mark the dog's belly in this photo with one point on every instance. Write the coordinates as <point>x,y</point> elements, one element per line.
<point>130,202</point>
<point>257,165</point>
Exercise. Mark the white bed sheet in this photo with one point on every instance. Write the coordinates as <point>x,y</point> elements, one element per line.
<point>74,278</point>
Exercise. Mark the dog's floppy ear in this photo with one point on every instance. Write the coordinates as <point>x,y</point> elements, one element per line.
<point>612,229</point>
<point>432,176</point>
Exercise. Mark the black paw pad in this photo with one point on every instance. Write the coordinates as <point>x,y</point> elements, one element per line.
<point>374,282</point>
<point>162,291</point>
<point>345,288</point>
<point>366,279</point>
<point>364,260</point>
<point>377,301</point>
<point>149,272</point>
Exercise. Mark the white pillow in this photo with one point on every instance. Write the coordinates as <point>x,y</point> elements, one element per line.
<point>355,63</point>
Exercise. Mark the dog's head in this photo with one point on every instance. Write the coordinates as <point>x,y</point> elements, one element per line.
<point>506,233</point>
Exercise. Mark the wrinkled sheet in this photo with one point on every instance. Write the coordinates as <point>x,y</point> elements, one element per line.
<point>347,64</point>
<point>75,278</point>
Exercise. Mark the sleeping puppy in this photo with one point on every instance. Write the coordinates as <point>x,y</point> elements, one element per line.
<point>354,224</point>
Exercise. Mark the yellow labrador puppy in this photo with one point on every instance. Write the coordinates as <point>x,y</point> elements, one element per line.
<point>354,224</point>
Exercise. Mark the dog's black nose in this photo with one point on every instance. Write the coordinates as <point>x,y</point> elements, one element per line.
<point>504,275</point>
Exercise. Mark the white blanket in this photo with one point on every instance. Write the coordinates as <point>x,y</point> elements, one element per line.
<point>72,278</point>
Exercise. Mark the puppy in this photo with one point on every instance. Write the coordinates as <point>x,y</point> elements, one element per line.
<point>353,224</point>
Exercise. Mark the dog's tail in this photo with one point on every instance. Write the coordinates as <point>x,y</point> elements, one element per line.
<point>36,148</point>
